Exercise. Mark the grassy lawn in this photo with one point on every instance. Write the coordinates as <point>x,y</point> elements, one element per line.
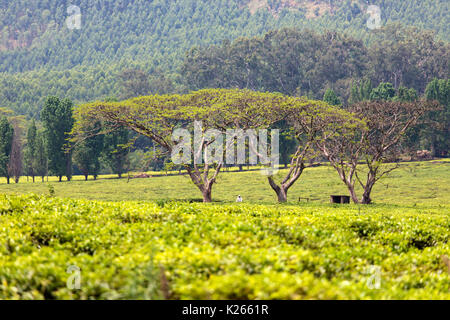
<point>413,183</point>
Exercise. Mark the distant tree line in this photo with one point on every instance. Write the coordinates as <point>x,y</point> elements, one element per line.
<point>48,150</point>
<point>291,61</point>
<point>431,133</point>
<point>306,63</point>
<point>45,147</point>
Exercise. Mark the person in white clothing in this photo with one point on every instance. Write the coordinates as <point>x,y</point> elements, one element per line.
<point>239,199</point>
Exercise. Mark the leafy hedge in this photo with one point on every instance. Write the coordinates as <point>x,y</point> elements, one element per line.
<point>199,251</point>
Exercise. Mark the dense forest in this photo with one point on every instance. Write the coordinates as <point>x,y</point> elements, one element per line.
<point>307,63</point>
<point>41,56</point>
<point>159,32</point>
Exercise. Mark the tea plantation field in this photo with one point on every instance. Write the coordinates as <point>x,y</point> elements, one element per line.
<point>65,248</point>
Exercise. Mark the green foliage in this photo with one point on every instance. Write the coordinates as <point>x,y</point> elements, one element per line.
<point>406,95</point>
<point>6,137</point>
<point>40,56</point>
<point>157,116</point>
<point>360,92</point>
<point>133,83</point>
<point>40,159</point>
<point>384,92</point>
<point>87,153</point>
<point>116,150</point>
<point>57,120</point>
<point>51,190</point>
<point>287,142</point>
<point>196,251</point>
<point>331,98</point>
<point>290,61</point>
<point>30,152</point>
<point>167,29</point>
<point>407,57</point>
<point>15,165</point>
<point>439,89</point>
<point>306,63</point>
<point>437,129</point>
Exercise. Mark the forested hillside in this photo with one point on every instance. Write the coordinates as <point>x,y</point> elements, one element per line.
<point>307,63</point>
<point>40,55</point>
<point>160,31</point>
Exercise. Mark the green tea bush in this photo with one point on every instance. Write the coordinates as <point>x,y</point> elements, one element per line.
<point>180,250</point>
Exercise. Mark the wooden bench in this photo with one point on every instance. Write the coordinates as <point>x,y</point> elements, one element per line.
<point>339,199</point>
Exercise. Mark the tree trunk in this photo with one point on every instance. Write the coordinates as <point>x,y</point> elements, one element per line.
<point>206,192</point>
<point>348,182</point>
<point>281,191</point>
<point>85,177</point>
<point>69,166</point>
<point>120,175</point>
<point>368,190</point>
<point>7,180</point>
<point>433,146</point>
<point>43,178</point>
<point>33,179</point>
<point>351,189</point>
<point>282,195</point>
<point>366,198</point>
<point>203,183</point>
<point>60,178</point>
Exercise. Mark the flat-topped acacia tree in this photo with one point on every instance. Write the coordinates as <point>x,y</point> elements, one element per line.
<point>360,154</point>
<point>157,116</point>
<point>233,112</point>
<point>309,121</point>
